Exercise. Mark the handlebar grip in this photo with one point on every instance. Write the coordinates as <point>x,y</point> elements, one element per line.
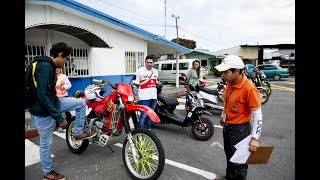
<point>97,81</point>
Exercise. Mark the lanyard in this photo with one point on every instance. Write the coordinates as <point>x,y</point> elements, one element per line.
<point>227,98</point>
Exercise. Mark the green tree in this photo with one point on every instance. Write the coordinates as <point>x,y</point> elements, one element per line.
<point>188,43</point>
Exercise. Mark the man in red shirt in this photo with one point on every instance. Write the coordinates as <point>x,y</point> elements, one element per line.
<point>241,104</point>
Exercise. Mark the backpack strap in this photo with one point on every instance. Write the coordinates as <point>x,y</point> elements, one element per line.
<point>34,65</point>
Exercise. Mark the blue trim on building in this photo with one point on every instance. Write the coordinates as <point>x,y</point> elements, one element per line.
<point>90,11</point>
<point>82,83</point>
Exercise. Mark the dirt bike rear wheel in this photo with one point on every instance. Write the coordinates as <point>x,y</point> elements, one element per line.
<point>152,157</point>
<point>204,132</point>
<point>76,147</point>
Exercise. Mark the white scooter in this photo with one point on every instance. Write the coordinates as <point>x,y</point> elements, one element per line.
<point>209,98</point>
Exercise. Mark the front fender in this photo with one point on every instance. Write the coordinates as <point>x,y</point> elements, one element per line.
<point>149,112</point>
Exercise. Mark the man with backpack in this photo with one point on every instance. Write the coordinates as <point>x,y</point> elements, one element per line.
<point>47,108</point>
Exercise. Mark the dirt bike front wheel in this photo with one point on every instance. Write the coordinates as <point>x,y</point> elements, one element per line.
<point>76,147</point>
<point>151,155</point>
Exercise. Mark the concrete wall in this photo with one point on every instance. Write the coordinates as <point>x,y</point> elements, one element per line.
<point>247,52</point>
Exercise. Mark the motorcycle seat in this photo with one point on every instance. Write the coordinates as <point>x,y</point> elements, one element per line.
<point>168,101</point>
<point>209,91</point>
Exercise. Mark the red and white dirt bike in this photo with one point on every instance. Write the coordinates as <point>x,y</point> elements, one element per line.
<point>142,153</point>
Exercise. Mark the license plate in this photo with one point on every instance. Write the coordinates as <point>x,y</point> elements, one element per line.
<point>189,114</point>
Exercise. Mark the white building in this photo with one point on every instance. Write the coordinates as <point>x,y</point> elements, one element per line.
<point>103,47</point>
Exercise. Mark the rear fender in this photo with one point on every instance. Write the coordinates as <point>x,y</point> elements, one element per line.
<point>148,111</point>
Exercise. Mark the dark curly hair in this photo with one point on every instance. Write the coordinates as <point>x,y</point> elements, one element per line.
<point>60,47</point>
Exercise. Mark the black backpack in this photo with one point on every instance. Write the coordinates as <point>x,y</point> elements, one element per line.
<point>29,85</point>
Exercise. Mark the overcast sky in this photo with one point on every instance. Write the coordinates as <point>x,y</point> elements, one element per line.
<point>213,24</point>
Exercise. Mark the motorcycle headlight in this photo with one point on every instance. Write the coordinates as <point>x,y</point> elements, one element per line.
<point>130,98</point>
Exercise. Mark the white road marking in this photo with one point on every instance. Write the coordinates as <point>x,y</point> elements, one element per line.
<point>32,154</point>
<point>181,107</point>
<point>214,143</point>
<point>181,100</point>
<point>60,134</point>
<point>217,126</point>
<point>206,174</point>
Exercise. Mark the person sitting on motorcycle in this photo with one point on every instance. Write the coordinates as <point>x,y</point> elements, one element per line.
<point>249,70</point>
<point>194,75</point>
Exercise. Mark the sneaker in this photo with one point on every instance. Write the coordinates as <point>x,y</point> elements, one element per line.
<point>85,135</point>
<point>52,175</point>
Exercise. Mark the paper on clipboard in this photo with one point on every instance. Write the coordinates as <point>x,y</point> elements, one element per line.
<point>242,153</point>
<point>244,156</point>
<point>261,156</point>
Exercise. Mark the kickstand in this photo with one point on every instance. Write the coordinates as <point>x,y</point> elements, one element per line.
<point>110,148</point>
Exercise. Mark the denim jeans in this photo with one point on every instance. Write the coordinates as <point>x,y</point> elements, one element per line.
<point>45,126</point>
<point>144,120</point>
<point>232,134</point>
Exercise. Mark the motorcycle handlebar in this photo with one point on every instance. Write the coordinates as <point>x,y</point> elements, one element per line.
<point>97,81</point>
<point>104,82</point>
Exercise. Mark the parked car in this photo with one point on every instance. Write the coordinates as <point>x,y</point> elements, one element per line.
<point>273,71</point>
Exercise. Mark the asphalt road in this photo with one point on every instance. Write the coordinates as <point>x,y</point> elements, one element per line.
<point>186,157</point>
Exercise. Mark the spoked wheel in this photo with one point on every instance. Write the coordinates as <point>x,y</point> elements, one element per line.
<point>76,147</point>
<point>202,131</point>
<point>264,96</point>
<point>220,94</point>
<point>267,86</point>
<point>151,157</point>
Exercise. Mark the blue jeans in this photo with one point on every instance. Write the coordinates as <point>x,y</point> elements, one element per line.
<point>145,121</point>
<point>45,126</point>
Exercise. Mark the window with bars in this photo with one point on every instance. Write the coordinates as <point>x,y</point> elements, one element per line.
<point>31,51</point>
<point>133,60</point>
<point>78,66</point>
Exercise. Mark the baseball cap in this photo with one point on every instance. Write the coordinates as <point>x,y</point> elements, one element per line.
<point>231,61</point>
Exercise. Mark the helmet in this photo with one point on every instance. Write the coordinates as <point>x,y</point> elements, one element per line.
<point>94,93</point>
<point>202,84</point>
<point>231,61</point>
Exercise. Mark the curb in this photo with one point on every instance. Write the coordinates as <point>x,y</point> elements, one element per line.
<point>33,133</point>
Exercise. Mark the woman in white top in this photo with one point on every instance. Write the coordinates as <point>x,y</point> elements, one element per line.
<point>194,75</point>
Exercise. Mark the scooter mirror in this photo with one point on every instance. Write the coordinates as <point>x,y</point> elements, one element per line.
<point>134,77</point>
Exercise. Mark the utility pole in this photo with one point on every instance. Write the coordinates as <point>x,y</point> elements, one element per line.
<point>165,18</point>
<point>177,17</point>
<point>177,54</point>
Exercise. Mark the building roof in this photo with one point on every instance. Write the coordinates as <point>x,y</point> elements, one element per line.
<point>216,55</point>
<point>155,43</point>
<point>279,46</point>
